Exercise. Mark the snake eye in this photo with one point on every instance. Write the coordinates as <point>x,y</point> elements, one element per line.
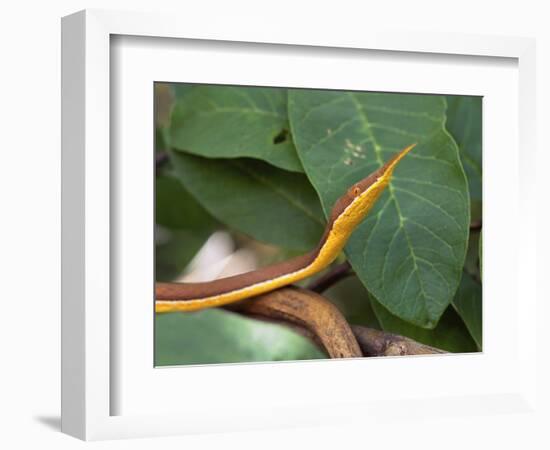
<point>356,191</point>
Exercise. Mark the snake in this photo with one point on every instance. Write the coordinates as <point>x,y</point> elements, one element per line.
<point>346,214</point>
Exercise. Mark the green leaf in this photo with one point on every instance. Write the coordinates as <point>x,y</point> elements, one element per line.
<point>409,251</point>
<point>231,122</point>
<point>217,336</point>
<point>464,124</point>
<point>266,203</point>
<point>468,304</point>
<point>450,334</point>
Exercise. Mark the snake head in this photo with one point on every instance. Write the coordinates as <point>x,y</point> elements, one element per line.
<point>369,188</point>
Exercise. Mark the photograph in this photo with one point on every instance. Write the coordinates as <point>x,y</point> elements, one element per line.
<point>306,224</point>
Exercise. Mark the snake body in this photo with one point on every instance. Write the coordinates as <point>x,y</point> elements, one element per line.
<point>347,213</point>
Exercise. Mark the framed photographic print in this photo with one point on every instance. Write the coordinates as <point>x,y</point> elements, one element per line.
<point>243,175</point>
<point>305,236</point>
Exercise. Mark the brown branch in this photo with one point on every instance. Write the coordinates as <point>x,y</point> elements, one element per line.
<point>307,310</point>
<point>314,317</point>
<point>379,343</point>
<point>330,278</point>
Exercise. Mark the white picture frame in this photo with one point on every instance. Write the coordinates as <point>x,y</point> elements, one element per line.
<point>89,331</point>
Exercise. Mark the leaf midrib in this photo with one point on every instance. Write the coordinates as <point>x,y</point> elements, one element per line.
<point>377,150</point>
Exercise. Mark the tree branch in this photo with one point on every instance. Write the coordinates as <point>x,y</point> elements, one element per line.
<point>379,343</point>
<point>330,278</point>
<point>307,310</point>
<point>314,317</point>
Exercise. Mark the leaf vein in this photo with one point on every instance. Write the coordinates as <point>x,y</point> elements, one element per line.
<point>429,202</point>
<point>428,183</point>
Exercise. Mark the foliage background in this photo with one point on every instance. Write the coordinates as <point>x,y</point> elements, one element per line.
<point>266,165</point>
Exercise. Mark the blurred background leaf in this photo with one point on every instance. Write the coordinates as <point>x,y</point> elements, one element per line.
<point>217,336</point>
<point>467,303</point>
